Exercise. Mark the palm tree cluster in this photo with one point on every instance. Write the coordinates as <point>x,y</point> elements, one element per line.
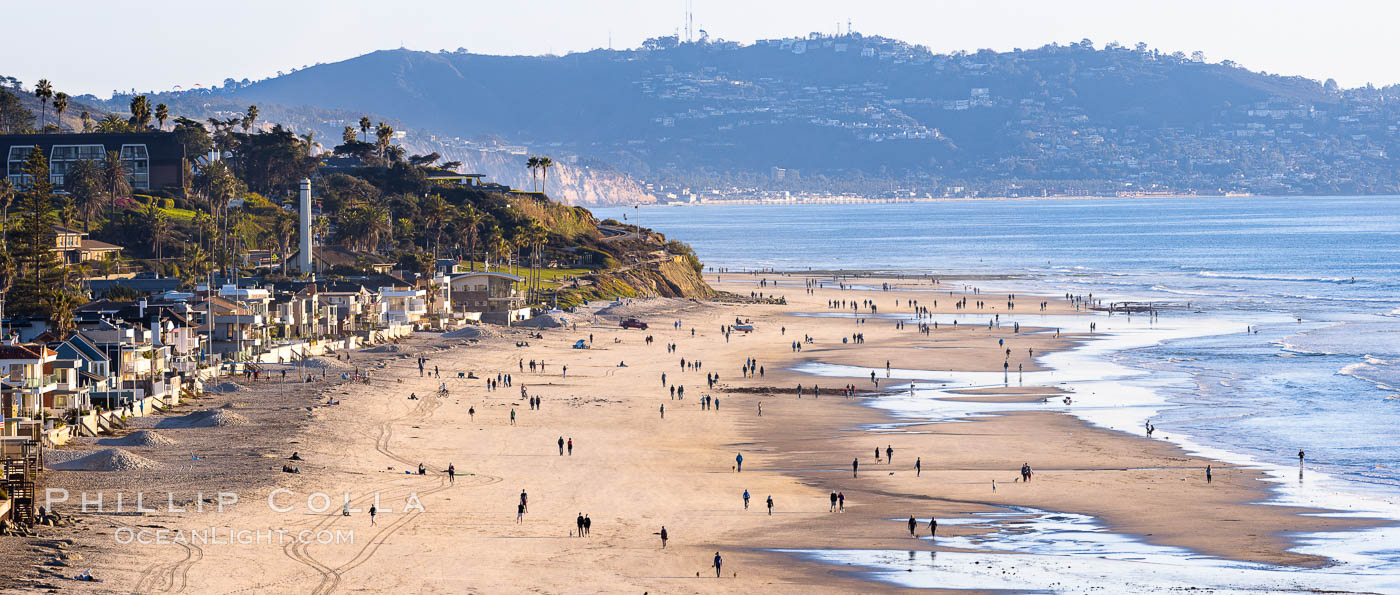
<point>541,165</point>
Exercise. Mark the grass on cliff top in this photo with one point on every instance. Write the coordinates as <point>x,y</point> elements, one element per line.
<point>604,287</point>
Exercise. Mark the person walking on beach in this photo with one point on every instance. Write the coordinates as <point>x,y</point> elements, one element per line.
<point>519,513</point>
<point>512,416</point>
<point>580,524</point>
<point>746,499</point>
<point>1300,457</point>
<point>663,411</point>
<point>561,446</point>
<point>833,502</point>
<point>1208,474</point>
<point>932,527</point>
<point>855,467</point>
<point>840,501</point>
<point>739,463</point>
<point>571,446</point>
<point>877,454</point>
<point>770,505</point>
<point>918,467</point>
<point>372,511</point>
<point>663,537</point>
<point>451,474</point>
<point>913,526</point>
<point>1026,472</point>
<point>524,501</point>
<point>587,525</point>
<point>889,454</point>
<point>718,563</point>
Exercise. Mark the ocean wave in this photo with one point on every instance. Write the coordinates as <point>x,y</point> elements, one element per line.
<point>1186,292</point>
<point>1374,370</point>
<point>1299,350</point>
<point>1248,277</point>
<point>1325,298</point>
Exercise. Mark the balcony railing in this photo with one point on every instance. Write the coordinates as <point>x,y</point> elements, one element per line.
<point>40,381</point>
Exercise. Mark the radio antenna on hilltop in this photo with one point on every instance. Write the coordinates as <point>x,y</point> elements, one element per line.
<point>689,20</point>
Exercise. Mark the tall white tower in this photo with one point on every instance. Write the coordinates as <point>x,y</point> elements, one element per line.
<point>304,257</point>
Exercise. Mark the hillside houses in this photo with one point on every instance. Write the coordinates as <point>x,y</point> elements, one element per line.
<point>134,355</point>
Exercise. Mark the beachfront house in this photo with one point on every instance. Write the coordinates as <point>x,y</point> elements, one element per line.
<point>91,372</point>
<point>234,330</point>
<point>489,297</point>
<point>402,305</point>
<point>348,307</point>
<point>296,314</point>
<point>27,379</point>
<point>138,362</point>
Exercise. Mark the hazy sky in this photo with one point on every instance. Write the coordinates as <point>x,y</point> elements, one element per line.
<point>96,46</point>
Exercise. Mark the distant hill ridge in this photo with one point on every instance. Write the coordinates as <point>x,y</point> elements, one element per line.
<point>874,115</point>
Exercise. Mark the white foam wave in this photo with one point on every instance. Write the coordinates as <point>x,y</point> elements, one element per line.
<point>1249,277</point>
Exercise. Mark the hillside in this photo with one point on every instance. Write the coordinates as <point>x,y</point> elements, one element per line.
<point>872,115</point>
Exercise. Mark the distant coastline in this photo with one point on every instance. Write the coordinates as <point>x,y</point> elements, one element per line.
<point>852,200</point>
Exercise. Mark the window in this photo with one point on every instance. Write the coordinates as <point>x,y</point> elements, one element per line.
<point>138,166</point>
<point>63,157</point>
<point>15,165</point>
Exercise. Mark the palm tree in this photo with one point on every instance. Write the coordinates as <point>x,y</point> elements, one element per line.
<point>469,220</point>
<point>534,235</point>
<point>365,125</point>
<point>7,196</point>
<point>383,134</point>
<point>87,121</point>
<point>60,105</point>
<point>348,136</point>
<point>158,225</point>
<point>435,212</point>
<point>519,239</point>
<point>311,145</point>
<point>140,111</point>
<point>545,164</point>
<point>286,228</point>
<point>114,178</point>
<point>162,114</point>
<point>43,90</point>
<point>250,118</point>
<point>84,183</point>
<point>533,164</point>
<point>112,123</point>
<point>61,304</point>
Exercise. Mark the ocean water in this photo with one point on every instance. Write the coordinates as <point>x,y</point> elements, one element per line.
<point>1280,331</point>
<point>1318,278</point>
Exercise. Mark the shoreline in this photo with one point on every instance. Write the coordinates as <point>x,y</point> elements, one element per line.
<point>635,472</point>
<point>847,200</point>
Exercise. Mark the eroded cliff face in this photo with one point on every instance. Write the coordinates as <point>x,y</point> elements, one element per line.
<point>569,184</point>
<point>670,278</point>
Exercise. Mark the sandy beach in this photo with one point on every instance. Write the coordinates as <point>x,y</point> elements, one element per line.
<point>630,470</point>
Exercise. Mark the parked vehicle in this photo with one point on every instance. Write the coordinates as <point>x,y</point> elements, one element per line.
<point>634,323</point>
